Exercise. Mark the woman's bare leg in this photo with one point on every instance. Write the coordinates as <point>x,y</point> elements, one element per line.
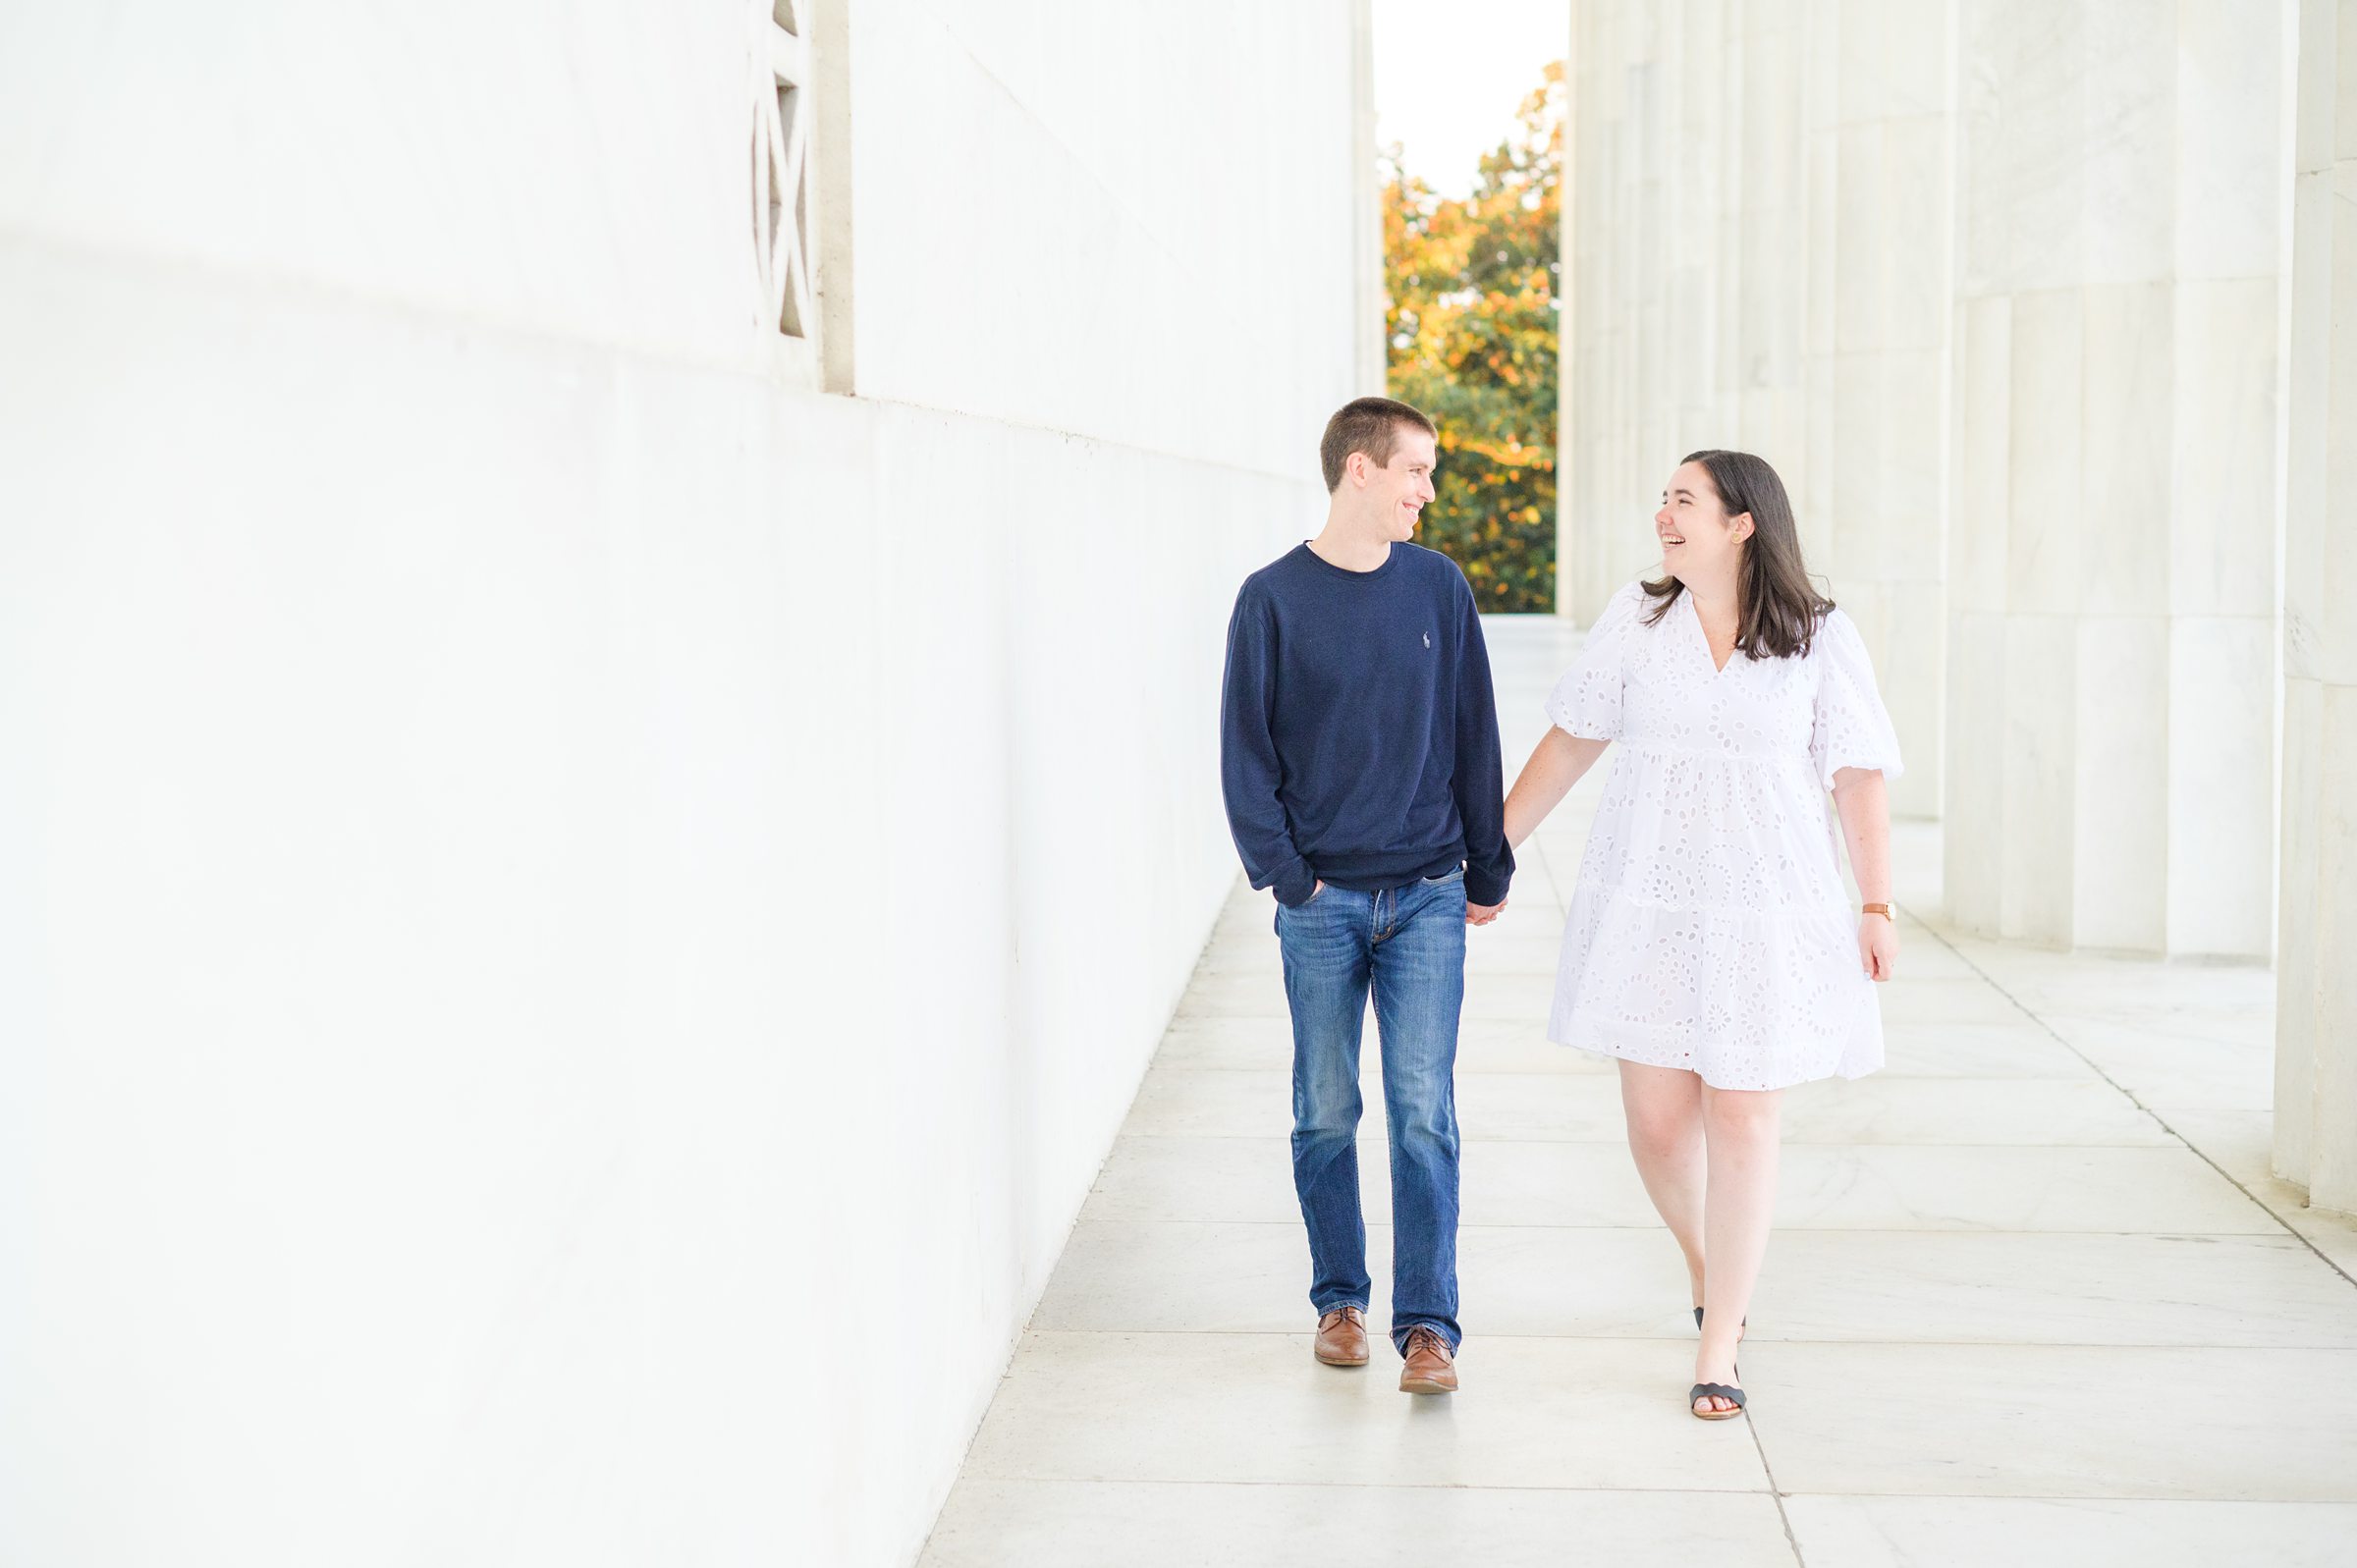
<point>1663,1107</point>
<point>1741,1127</point>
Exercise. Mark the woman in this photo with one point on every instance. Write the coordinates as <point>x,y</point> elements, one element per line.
<point>1710,946</point>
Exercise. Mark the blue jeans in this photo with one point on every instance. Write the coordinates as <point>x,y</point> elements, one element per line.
<point>1408,943</point>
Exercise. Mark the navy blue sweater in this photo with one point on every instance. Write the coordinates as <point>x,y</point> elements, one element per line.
<point>1358,734</point>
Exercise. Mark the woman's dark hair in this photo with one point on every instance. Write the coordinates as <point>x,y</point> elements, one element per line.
<point>1781,607</point>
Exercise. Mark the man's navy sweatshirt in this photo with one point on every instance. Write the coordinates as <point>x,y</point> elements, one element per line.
<point>1358,734</point>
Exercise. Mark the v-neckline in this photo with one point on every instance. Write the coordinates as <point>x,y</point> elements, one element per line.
<point>1709,654</point>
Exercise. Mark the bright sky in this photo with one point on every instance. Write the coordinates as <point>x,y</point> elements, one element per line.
<point>1448,73</point>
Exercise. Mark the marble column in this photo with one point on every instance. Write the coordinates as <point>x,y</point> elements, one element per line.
<point>2316,1045</point>
<point>1370,371</point>
<point>2121,181</point>
<point>1623,65</point>
<point>1871,491</point>
<point>1685,234</point>
<point>1757,237</point>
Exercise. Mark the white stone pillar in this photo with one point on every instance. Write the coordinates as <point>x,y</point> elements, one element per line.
<point>1685,237</point>
<point>1756,226</point>
<point>1614,287</point>
<point>2315,1042</point>
<point>1871,492</point>
<point>1370,368</point>
<point>2112,511</point>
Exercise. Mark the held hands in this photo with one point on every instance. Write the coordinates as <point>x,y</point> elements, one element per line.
<point>1878,946</point>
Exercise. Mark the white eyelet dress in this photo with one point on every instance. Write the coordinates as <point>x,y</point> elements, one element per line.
<point>1711,929</point>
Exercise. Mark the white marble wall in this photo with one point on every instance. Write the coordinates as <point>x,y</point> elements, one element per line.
<point>576,918</point>
<point>1757,236</point>
<point>2316,1051</point>
<point>2120,175</point>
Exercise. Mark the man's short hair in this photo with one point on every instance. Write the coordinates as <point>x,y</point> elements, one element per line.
<point>1370,425</point>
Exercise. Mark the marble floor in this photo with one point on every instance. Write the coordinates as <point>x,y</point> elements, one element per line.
<point>2032,1298</point>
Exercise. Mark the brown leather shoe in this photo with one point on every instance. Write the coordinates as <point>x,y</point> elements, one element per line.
<point>1431,1368</point>
<point>1343,1337</point>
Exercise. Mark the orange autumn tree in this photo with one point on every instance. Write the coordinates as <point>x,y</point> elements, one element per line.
<point>1471,326</point>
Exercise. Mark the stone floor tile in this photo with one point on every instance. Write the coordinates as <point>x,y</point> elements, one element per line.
<point>1256,1408</point>
<point>2002,1287</point>
<point>2022,1049</point>
<point>1523,947</point>
<point>2073,1532</point>
<point>1922,956</point>
<point>1251,1179</point>
<point>1238,994</point>
<point>1891,1109</point>
<point>1267,1043</point>
<point>2333,1234</point>
<point>2169,1071</point>
<point>1186,1277</point>
<point>1936,1288</point>
<point>1586,1109</point>
<point>1942,1002</point>
<point>1089,1524</point>
<point>2057,1421</point>
<point>2159,1189</point>
<point>2052,1188</point>
<point>2240,1142</point>
<point>1515,995</point>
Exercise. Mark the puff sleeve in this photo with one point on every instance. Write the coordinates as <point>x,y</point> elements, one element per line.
<point>1850,727</point>
<point>1586,702</point>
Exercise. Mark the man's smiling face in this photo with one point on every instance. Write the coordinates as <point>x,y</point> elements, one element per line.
<point>1404,484</point>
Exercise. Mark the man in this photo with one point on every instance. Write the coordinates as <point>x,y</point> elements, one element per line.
<point>1358,752</point>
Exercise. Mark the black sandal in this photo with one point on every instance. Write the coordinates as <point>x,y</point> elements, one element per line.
<point>1718,1389</point>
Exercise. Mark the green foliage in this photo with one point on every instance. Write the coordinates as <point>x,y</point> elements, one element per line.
<point>1472,331</point>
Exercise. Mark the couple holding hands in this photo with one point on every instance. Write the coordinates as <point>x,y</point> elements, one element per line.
<point>1711,944</point>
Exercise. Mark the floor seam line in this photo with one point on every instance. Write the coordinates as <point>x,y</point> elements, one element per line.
<point>1383,1485</point>
<point>1803,1143</point>
<point>1766,1340</point>
<point>1788,1143</point>
<point>1760,1446</point>
<point>2137,1101</point>
<point>1814,1230</point>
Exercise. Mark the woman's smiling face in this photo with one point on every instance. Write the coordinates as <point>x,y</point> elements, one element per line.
<point>1698,538</point>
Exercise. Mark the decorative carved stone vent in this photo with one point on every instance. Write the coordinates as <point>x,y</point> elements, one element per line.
<point>781,169</point>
